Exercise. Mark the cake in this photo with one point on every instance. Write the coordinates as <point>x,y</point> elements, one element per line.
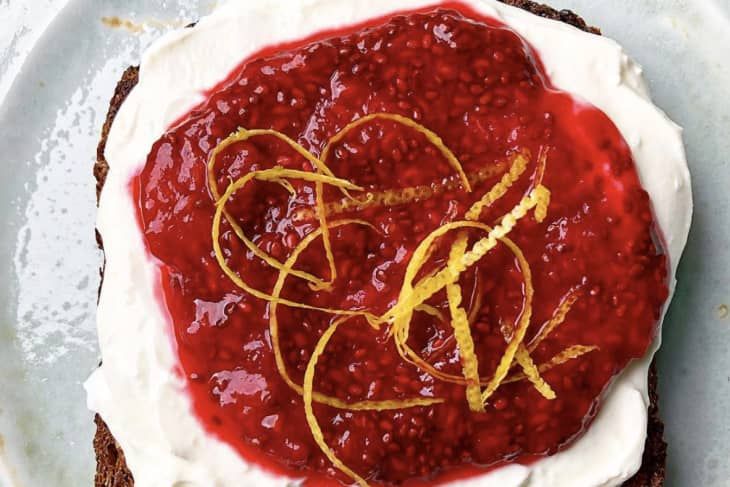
<point>459,187</point>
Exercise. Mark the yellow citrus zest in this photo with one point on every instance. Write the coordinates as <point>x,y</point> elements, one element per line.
<point>464,340</point>
<point>519,333</point>
<point>276,346</point>
<point>430,135</point>
<point>402,311</point>
<point>242,135</point>
<point>413,295</point>
<point>570,353</point>
<point>542,207</point>
<point>400,196</point>
<point>308,397</point>
<point>519,164</point>
<point>522,355</point>
<point>532,372</point>
<point>557,319</point>
<point>265,175</point>
<point>430,310</point>
<point>401,321</point>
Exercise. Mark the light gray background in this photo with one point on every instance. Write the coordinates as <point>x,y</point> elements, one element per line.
<point>58,66</point>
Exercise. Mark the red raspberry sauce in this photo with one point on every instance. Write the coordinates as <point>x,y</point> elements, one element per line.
<point>482,88</point>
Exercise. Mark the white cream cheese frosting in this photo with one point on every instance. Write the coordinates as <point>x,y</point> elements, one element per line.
<point>137,390</point>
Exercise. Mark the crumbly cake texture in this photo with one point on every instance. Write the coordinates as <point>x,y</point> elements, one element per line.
<point>111,468</point>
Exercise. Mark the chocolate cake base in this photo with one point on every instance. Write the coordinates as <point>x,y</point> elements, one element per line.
<point>111,468</point>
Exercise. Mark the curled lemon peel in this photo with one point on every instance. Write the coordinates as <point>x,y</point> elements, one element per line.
<point>542,207</point>
<point>476,306</point>
<point>411,357</point>
<point>267,175</point>
<point>401,321</point>
<point>463,337</point>
<point>536,197</point>
<point>570,353</point>
<point>561,312</point>
<point>412,297</point>
<point>431,310</point>
<point>308,399</point>
<point>430,135</point>
<point>519,333</point>
<point>401,196</point>
<point>276,345</point>
<point>401,313</point>
<point>532,373</point>
<point>519,165</point>
<point>460,325</point>
<point>326,242</point>
<point>417,361</point>
<point>522,356</point>
<point>244,134</point>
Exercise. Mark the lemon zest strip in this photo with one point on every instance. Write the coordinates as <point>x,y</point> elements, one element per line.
<point>430,135</point>
<point>401,322</point>
<point>532,372</point>
<point>401,313</point>
<point>244,134</point>
<point>522,355</point>
<point>307,397</point>
<point>411,298</point>
<point>268,175</point>
<point>430,310</point>
<point>460,325</point>
<point>520,331</point>
<point>401,334</point>
<point>570,353</point>
<point>519,165</point>
<point>557,319</point>
<point>542,207</point>
<point>427,287</point>
<point>276,346</point>
<point>394,197</point>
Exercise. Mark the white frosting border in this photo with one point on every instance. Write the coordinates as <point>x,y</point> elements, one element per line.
<point>136,391</point>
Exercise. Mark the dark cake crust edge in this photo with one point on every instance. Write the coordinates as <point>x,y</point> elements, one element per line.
<point>111,467</point>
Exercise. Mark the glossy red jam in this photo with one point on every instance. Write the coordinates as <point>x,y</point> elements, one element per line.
<point>481,88</point>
